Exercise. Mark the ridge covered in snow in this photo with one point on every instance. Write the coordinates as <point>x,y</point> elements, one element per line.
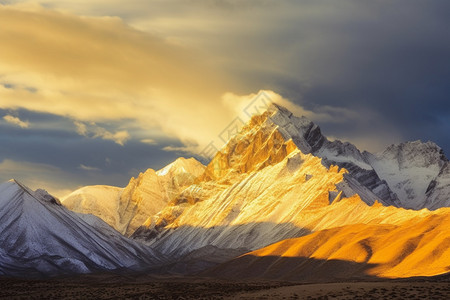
<point>411,169</point>
<point>40,237</point>
<point>403,175</point>
<point>127,208</point>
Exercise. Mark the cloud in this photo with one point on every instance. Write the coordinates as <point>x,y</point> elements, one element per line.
<point>94,131</point>
<point>16,121</point>
<point>81,128</point>
<point>88,168</point>
<point>98,69</point>
<point>149,141</point>
<point>37,175</point>
<point>185,149</point>
<point>119,137</point>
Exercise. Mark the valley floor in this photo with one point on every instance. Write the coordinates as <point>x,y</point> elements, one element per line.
<point>109,286</point>
<point>356,290</point>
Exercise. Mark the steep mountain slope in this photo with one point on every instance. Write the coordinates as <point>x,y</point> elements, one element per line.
<point>95,200</point>
<point>128,208</point>
<point>438,191</point>
<point>262,188</point>
<point>418,248</point>
<point>308,138</point>
<point>409,168</point>
<point>40,237</point>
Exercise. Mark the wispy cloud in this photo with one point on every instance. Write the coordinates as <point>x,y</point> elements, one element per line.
<point>16,121</point>
<point>184,149</point>
<point>81,128</point>
<point>149,141</point>
<point>92,130</point>
<point>88,168</point>
<point>118,137</point>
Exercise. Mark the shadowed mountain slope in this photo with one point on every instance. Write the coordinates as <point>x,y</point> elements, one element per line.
<point>40,237</point>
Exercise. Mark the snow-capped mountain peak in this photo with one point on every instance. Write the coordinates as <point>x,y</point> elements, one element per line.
<point>41,237</point>
<point>128,208</point>
<point>414,154</point>
<point>303,132</point>
<point>182,165</point>
<point>410,169</point>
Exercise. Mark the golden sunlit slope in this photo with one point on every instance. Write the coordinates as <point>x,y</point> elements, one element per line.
<point>260,189</point>
<point>126,209</point>
<point>419,247</point>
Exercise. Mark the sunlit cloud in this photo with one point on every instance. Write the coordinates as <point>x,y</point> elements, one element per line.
<point>149,141</point>
<point>16,121</point>
<point>100,70</point>
<point>94,131</point>
<point>119,137</point>
<point>81,128</point>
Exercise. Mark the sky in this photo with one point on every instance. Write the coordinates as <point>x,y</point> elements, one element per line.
<point>94,92</point>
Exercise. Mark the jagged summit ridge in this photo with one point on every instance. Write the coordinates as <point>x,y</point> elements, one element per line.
<point>40,194</point>
<point>403,175</point>
<point>308,138</point>
<point>303,132</point>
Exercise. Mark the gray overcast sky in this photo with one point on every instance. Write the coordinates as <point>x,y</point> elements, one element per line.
<point>93,92</point>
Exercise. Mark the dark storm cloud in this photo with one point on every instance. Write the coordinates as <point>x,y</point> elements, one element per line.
<point>397,66</point>
<point>386,58</point>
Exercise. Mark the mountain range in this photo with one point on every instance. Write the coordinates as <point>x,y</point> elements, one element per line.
<point>279,200</point>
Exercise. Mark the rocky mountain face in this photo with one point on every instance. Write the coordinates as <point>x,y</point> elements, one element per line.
<point>438,191</point>
<point>308,138</point>
<point>412,170</point>
<point>127,208</point>
<point>40,237</point>
<point>277,179</point>
<point>403,175</point>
